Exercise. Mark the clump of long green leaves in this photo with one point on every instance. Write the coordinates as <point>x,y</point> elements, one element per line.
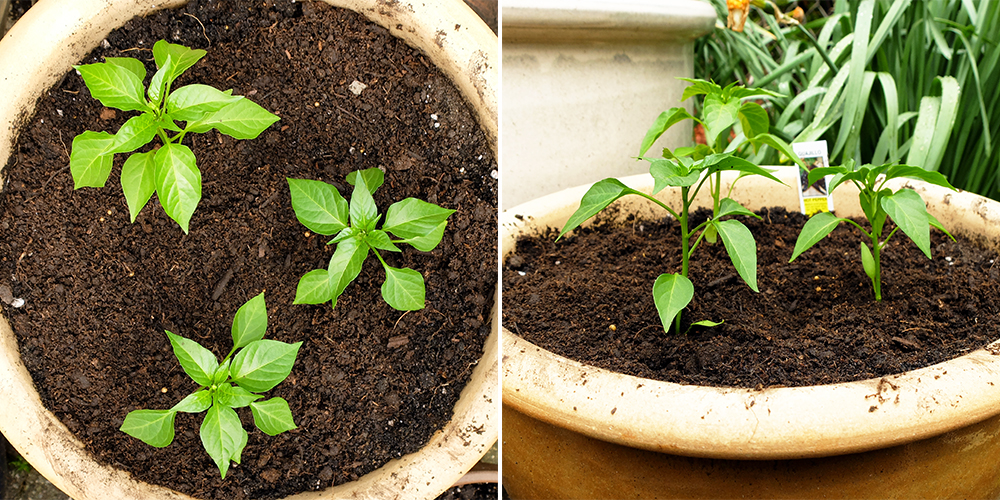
<point>258,367</point>
<point>689,169</point>
<point>883,81</point>
<point>878,202</point>
<point>170,171</point>
<point>321,208</point>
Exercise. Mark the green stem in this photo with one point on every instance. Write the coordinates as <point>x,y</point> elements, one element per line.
<point>822,52</point>
<point>877,278</point>
<point>685,244</point>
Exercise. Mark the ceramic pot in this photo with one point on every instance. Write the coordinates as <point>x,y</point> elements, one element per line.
<point>43,46</point>
<point>576,431</point>
<point>588,77</point>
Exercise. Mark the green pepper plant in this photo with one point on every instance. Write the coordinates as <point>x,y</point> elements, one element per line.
<point>258,367</point>
<point>724,111</point>
<point>878,203</point>
<point>321,208</point>
<point>171,170</point>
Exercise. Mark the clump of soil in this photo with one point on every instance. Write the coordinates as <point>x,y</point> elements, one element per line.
<point>815,321</point>
<point>370,383</point>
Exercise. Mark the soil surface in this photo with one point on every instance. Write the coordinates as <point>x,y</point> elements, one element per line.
<point>370,383</point>
<point>815,321</point>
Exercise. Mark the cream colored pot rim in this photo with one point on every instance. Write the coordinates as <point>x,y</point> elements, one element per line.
<point>735,423</point>
<point>42,46</point>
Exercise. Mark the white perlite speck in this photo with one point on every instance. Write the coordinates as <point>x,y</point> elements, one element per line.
<point>356,87</point>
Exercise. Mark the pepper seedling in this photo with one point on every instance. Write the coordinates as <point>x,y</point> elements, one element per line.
<point>689,168</point>
<point>170,171</point>
<point>258,367</point>
<point>321,208</point>
<point>878,202</point>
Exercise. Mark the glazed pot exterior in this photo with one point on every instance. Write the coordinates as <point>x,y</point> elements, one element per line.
<point>576,431</point>
<point>55,34</point>
<point>589,77</point>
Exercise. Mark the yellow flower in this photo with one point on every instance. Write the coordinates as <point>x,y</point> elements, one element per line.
<point>738,11</point>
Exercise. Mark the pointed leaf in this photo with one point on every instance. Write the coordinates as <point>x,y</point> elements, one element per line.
<point>313,288</point>
<point>374,177</point>
<point>729,206</point>
<point>753,119</point>
<point>221,373</point>
<point>741,247</point>
<point>815,229</point>
<point>908,211</point>
<point>272,416</point>
<point>403,289</point>
<point>718,115</point>
<point>821,172</point>
<point>193,102</point>
<point>250,322</point>
<point>115,86</point>
<point>196,402</point>
<point>138,181</point>
<point>345,265</point>
<point>134,133</point>
<point>161,80</point>
<point>363,212</point>
<point>199,363</point>
<point>178,182</point>
<point>671,173</point>
<point>778,144</point>
<point>597,198</point>
<point>917,172</point>
<point>220,435</point>
<point>726,161</point>
<point>153,427</point>
<point>182,56</point>
<point>235,396</point>
<point>671,294</point>
<point>937,224</point>
<point>413,218</point>
<point>88,162</point>
<point>318,206</point>
<point>380,240</point>
<point>263,364</point>
<point>133,65</point>
<point>699,87</point>
<point>868,261</point>
<point>663,122</point>
<point>429,241</point>
<point>243,119</point>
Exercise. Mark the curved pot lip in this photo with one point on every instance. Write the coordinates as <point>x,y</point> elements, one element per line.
<point>741,423</point>
<point>455,39</point>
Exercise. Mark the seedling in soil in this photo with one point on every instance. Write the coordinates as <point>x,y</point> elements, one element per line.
<point>689,169</point>
<point>320,207</point>
<point>258,367</point>
<point>170,171</point>
<point>878,202</point>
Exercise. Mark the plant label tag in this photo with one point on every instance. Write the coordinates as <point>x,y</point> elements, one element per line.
<point>813,198</point>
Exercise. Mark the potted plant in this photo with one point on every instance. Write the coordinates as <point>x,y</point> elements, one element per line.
<point>59,35</point>
<point>574,430</point>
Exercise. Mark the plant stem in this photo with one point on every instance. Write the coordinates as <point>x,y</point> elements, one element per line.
<point>877,277</point>
<point>685,244</point>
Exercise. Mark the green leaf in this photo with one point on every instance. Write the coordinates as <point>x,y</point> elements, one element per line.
<point>193,102</point>
<point>427,242</point>
<point>138,181</point>
<point>153,427</point>
<point>699,87</point>
<point>318,206</point>
<point>729,206</point>
<point>671,173</point>
<point>671,294</point>
<point>178,182</point>
<point>908,211</point>
<point>221,436</point>
<point>363,212</point>
<point>235,396</point>
<point>161,80</point>
<point>711,234</point>
<point>88,162</point>
<point>183,57</point>
<point>133,65</point>
<point>718,115</point>
<point>778,144</point>
<point>345,265</point>
<point>815,229</point>
<point>597,198</point>
<point>272,416</point>
<point>413,218</point>
<point>134,133</point>
<point>707,323</point>
<point>663,122</point>
<point>313,288</point>
<point>726,161</point>
<point>115,86</point>
<point>403,289</point>
<point>263,364</point>
<point>753,119</point>
<point>196,402</point>
<point>868,261</point>
<point>380,240</point>
<point>221,373</point>
<point>821,172</point>
<point>199,363</point>
<point>374,177</point>
<point>250,322</point>
<point>918,172</point>
<point>243,119</point>
<point>937,224</point>
<point>742,249</point>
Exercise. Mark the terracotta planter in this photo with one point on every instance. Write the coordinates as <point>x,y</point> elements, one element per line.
<point>588,77</point>
<point>575,431</point>
<point>41,48</point>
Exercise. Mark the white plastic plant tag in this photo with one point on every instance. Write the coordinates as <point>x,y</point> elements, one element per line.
<point>813,198</point>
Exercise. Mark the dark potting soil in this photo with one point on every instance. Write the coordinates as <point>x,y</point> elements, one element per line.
<point>815,321</point>
<point>370,383</point>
